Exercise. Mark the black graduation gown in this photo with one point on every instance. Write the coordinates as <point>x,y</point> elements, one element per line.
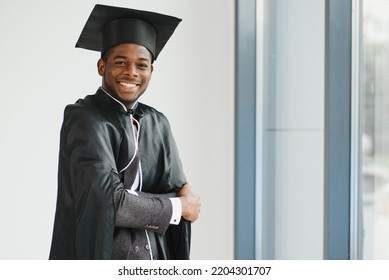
<point>96,143</point>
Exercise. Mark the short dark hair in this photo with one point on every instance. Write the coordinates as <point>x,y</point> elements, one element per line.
<point>105,55</point>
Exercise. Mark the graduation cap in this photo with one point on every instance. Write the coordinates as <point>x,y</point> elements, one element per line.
<point>109,26</point>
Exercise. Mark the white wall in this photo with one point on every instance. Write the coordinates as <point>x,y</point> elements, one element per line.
<point>41,72</point>
<point>295,127</point>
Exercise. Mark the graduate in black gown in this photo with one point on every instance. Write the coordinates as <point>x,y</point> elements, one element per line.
<point>122,192</point>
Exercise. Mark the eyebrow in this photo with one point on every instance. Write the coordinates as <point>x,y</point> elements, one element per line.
<point>124,57</point>
<point>120,57</point>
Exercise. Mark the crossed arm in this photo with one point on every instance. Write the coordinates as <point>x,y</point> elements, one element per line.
<point>153,211</point>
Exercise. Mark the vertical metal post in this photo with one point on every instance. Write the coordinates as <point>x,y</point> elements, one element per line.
<point>356,134</point>
<point>245,83</point>
<point>337,129</point>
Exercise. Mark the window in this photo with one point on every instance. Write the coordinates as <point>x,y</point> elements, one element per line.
<point>373,193</point>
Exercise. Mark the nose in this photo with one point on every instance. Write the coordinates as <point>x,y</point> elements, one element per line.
<point>132,70</point>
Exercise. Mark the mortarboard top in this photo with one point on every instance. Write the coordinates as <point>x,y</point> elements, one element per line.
<point>109,26</point>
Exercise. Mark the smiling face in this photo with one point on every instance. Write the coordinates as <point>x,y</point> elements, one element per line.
<point>126,70</point>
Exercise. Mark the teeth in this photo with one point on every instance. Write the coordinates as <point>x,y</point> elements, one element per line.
<point>128,85</point>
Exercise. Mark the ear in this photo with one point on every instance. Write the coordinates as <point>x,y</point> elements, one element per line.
<point>151,70</point>
<point>101,67</point>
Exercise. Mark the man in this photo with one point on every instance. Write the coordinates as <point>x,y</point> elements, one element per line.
<point>121,186</point>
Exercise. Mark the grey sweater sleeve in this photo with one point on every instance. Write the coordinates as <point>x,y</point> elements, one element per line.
<point>141,210</point>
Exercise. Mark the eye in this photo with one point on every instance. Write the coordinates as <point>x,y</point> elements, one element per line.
<point>120,62</point>
<point>143,66</point>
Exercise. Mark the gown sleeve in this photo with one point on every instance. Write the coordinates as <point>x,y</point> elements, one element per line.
<point>84,219</point>
<point>163,172</point>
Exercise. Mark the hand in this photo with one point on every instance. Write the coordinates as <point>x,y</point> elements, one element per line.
<point>190,202</point>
